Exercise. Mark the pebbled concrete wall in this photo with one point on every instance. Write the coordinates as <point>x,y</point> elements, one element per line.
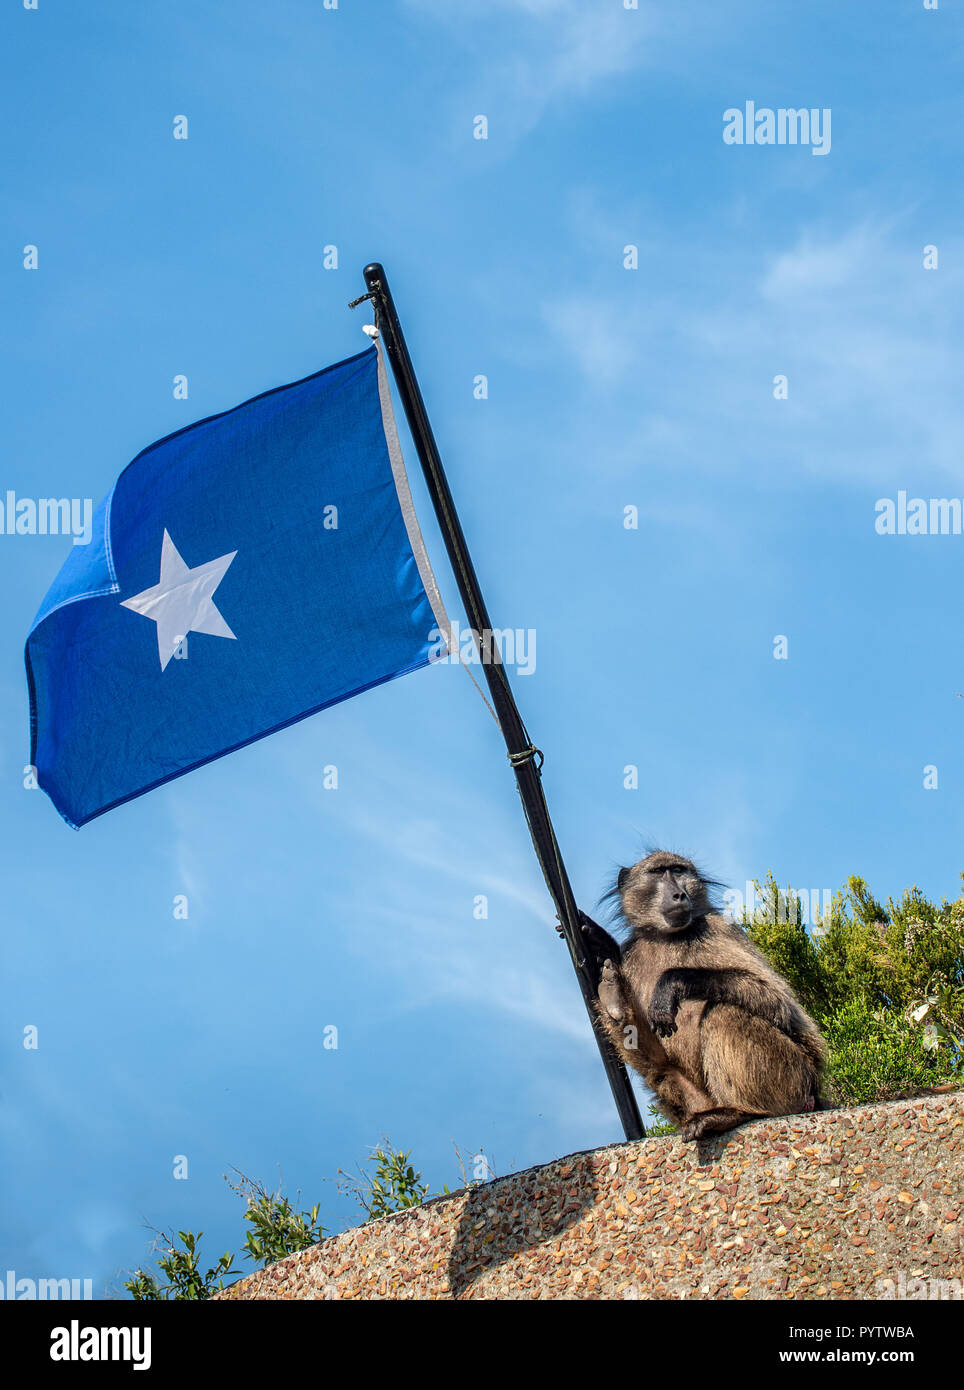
<point>826,1206</point>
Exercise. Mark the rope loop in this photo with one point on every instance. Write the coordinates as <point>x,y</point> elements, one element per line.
<point>517,759</point>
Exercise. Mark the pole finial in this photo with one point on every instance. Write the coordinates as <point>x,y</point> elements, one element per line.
<point>373,272</point>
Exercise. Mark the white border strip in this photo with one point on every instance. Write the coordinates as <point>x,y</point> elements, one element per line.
<point>407,505</point>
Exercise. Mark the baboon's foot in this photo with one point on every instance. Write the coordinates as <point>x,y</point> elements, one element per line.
<point>610,992</point>
<point>716,1121</point>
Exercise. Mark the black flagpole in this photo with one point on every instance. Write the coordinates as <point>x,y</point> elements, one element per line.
<point>526,760</point>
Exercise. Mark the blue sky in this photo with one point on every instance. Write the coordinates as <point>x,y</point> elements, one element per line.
<point>608,388</point>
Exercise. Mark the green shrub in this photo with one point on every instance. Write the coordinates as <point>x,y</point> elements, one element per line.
<point>393,1186</point>
<point>184,1277</point>
<point>656,1124</point>
<point>278,1230</point>
<point>875,1056</point>
<point>885,984</point>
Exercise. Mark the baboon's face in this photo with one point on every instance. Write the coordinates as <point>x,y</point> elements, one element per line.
<point>663,891</point>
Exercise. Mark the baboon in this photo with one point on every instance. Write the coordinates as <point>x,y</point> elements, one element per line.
<point>719,1036</point>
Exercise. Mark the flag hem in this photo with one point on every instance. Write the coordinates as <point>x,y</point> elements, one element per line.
<point>407,505</point>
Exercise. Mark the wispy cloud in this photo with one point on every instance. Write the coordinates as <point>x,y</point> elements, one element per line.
<point>868,339</point>
<point>559,49</point>
<point>589,331</point>
<point>511,962</point>
<point>188,875</point>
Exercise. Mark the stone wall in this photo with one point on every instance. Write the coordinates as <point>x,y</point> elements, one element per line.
<point>824,1206</point>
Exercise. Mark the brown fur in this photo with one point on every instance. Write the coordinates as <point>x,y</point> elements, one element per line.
<point>717,1033</point>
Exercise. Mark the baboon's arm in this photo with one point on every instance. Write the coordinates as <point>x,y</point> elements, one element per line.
<point>740,987</point>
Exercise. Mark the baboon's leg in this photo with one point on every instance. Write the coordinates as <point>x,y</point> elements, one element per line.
<point>639,1047</point>
<point>679,1096</point>
<point>617,1017</point>
<point>752,1067</point>
<point>626,1029</point>
<point>612,993</point>
<point>716,1121</point>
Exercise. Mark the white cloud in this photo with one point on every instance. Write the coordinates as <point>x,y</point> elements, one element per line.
<point>560,48</point>
<point>815,266</point>
<point>590,330</point>
<point>868,339</point>
<point>512,962</point>
<point>187,848</point>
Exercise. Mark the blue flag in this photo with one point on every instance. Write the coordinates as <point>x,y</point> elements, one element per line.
<point>242,574</point>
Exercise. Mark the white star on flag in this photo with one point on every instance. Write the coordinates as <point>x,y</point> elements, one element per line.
<point>183,600</point>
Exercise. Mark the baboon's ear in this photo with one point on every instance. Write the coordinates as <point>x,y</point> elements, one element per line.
<point>621,878</point>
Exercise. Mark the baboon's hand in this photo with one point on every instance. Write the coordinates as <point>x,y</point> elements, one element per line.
<point>664,1005</point>
<point>600,946</point>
